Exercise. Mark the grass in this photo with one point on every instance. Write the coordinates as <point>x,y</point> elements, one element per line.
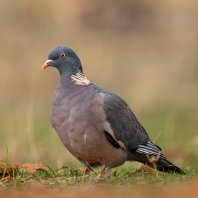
<point>6,162</point>
<point>67,177</point>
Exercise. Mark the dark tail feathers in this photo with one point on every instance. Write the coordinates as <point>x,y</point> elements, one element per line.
<point>167,166</point>
<point>150,149</point>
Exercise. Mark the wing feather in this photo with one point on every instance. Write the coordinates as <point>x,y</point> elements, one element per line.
<point>125,126</point>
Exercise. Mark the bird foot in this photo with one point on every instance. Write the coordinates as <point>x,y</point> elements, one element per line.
<point>86,171</point>
<point>105,172</point>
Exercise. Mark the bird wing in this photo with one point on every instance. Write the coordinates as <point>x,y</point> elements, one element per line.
<point>126,130</point>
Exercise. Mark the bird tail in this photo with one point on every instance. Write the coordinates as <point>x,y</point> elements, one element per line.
<point>152,156</point>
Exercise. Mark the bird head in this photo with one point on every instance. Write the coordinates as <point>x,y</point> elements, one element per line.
<point>64,59</point>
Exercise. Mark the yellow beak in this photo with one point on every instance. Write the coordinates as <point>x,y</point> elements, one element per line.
<point>47,64</point>
<point>44,66</point>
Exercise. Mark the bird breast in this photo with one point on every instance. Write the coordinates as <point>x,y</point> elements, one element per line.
<point>77,116</point>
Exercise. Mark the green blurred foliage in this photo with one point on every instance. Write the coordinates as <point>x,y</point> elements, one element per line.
<point>146,52</point>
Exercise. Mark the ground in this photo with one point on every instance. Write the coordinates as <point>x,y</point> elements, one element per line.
<point>38,180</point>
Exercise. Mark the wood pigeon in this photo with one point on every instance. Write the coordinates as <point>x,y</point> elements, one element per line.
<point>95,125</point>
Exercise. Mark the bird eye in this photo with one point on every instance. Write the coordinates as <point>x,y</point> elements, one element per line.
<point>62,55</point>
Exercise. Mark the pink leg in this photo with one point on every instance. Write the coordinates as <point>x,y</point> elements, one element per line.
<point>86,171</point>
<point>105,171</point>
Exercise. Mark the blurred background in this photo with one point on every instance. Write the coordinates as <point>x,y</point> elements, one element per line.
<point>145,51</point>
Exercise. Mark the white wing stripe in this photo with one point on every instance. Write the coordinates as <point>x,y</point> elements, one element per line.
<point>150,148</point>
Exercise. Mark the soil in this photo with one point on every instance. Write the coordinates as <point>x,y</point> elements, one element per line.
<point>29,167</point>
<point>98,191</point>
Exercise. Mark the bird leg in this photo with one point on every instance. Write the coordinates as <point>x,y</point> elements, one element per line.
<point>87,168</point>
<point>86,171</point>
<point>105,170</point>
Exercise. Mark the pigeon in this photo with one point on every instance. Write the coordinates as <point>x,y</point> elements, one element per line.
<point>95,125</point>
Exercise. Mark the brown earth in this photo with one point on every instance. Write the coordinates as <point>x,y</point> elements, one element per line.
<point>29,167</point>
<point>98,191</point>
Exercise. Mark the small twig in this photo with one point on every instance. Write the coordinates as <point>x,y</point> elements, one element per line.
<point>91,169</point>
<point>157,136</point>
<point>125,174</point>
<point>153,160</point>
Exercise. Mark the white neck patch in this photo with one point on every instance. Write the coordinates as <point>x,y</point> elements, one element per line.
<point>80,79</point>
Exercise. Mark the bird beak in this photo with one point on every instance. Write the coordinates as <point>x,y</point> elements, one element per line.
<point>47,64</point>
